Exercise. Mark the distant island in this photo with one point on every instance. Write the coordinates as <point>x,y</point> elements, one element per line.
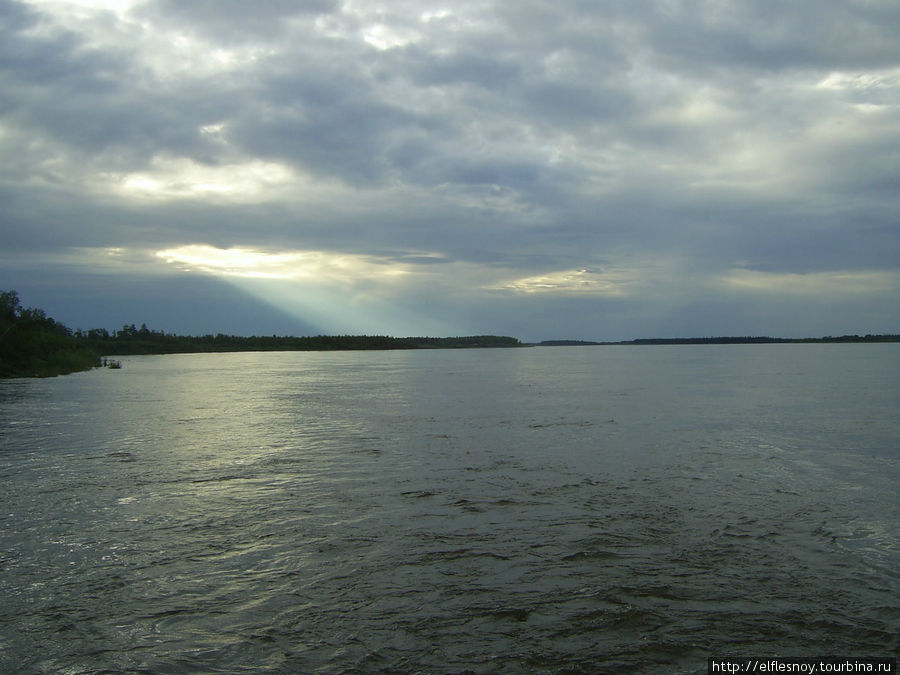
<point>35,345</point>
<point>744,340</point>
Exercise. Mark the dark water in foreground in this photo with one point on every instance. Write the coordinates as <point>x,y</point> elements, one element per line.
<point>550,509</point>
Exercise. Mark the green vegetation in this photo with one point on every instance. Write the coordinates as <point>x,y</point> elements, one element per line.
<point>34,345</point>
<point>132,340</point>
<point>726,340</point>
<point>754,340</point>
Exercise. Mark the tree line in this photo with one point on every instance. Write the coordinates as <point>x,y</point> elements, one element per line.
<point>133,340</point>
<point>35,345</point>
<point>754,340</point>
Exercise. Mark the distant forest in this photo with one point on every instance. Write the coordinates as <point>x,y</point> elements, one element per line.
<point>746,340</point>
<point>132,340</point>
<point>35,345</point>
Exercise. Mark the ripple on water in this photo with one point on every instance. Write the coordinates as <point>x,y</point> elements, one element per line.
<point>338,516</point>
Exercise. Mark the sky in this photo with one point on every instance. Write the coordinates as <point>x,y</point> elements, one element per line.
<point>596,170</point>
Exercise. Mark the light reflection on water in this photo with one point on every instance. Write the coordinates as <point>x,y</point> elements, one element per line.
<point>499,510</point>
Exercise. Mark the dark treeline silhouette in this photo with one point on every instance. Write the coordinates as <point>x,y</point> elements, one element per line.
<point>740,340</point>
<point>34,345</point>
<point>747,340</point>
<point>132,340</point>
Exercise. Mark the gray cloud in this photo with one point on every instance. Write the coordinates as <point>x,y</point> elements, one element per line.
<point>234,21</point>
<point>672,144</point>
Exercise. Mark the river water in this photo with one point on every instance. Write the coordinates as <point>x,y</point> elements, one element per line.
<point>565,509</point>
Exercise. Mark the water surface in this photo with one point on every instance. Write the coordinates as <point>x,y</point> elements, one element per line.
<point>546,509</point>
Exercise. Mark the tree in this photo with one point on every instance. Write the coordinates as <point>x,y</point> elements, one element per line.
<point>9,305</point>
<point>34,345</point>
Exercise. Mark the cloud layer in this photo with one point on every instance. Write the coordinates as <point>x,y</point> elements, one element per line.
<point>588,170</point>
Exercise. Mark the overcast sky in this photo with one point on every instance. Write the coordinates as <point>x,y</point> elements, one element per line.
<point>571,169</point>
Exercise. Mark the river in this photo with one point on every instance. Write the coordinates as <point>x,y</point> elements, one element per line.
<point>548,509</point>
